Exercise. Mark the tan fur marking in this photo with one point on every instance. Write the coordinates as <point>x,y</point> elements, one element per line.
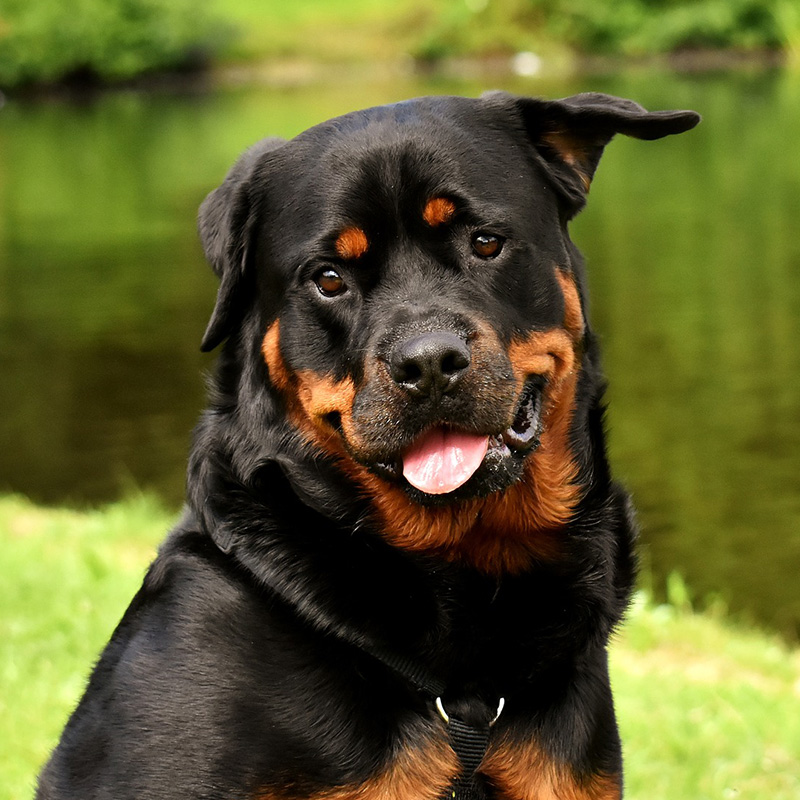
<point>502,533</point>
<point>352,243</point>
<point>320,395</point>
<point>523,772</point>
<point>271,351</point>
<point>498,534</point>
<point>573,151</point>
<point>573,310</point>
<point>438,211</point>
<point>419,774</point>
<point>310,397</point>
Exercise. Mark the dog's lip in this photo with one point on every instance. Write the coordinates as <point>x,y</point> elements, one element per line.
<point>524,432</point>
<point>521,437</point>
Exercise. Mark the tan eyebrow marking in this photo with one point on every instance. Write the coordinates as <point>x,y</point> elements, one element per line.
<point>352,243</point>
<point>438,211</point>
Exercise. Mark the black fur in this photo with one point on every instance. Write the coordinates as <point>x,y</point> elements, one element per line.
<point>246,663</point>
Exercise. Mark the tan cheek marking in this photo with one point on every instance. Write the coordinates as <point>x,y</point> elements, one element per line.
<point>438,211</point>
<point>573,310</point>
<point>320,396</point>
<point>309,397</point>
<point>352,243</point>
<point>419,774</point>
<point>271,351</point>
<point>548,494</point>
<point>549,353</point>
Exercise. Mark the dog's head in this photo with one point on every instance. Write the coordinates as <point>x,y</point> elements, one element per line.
<point>406,276</point>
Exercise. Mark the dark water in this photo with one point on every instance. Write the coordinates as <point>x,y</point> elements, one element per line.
<point>694,253</point>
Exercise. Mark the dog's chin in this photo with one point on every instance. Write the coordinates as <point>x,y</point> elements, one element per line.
<point>502,465</point>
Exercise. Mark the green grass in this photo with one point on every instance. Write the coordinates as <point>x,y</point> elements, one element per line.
<point>707,709</point>
<point>66,578</point>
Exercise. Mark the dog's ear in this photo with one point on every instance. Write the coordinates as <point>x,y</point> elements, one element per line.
<point>570,134</point>
<point>225,223</point>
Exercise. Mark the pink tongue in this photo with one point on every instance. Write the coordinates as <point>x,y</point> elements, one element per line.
<point>442,460</point>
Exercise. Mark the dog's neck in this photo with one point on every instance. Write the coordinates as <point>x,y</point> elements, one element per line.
<point>319,553</point>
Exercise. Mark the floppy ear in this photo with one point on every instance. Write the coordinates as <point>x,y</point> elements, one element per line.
<point>570,134</point>
<point>225,224</point>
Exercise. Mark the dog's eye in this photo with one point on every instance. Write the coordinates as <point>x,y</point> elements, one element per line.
<point>486,245</point>
<point>330,282</point>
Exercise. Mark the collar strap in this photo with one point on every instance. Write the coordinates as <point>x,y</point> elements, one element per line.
<point>470,742</point>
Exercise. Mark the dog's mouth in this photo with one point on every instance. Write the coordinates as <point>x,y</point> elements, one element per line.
<point>443,458</point>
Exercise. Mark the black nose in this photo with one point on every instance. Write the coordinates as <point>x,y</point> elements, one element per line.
<point>429,364</point>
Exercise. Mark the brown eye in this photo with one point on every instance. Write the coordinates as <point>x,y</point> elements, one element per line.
<point>486,245</point>
<point>330,282</point>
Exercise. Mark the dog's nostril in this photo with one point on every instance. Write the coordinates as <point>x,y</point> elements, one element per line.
<point>431,363</point>
<point>454,362</point>
<point>407,372</point>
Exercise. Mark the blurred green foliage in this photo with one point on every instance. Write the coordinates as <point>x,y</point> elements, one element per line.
<point>625,27</point>
<point>46,41</point>
<point>42,41</point>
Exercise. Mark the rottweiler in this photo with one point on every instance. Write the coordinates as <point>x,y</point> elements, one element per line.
<point>403,553</point>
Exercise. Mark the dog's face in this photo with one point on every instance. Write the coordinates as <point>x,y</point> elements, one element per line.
<point>418,299</point>
<point>413,285</point>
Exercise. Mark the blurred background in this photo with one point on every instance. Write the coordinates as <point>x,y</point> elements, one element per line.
<point>120,115</point>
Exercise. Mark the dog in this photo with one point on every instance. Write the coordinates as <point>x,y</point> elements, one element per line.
<point>403,553</point>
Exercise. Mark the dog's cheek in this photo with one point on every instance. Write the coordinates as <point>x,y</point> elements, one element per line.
<point>529,293</point>
<point>378,411</point>
<point>279,374</point>
<point>548,493</point>
<point>326,402</point>
<point>552,352</point>
<point>316,404</point>
<point>574,320</point>
<point>316,339</point>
